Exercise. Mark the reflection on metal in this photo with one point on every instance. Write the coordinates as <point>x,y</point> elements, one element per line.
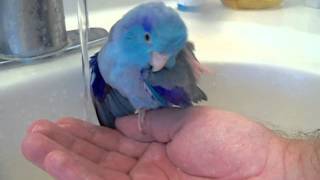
<point>35,29</point>
<point>97,37</point>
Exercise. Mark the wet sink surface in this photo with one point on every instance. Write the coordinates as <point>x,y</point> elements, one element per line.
<point>30,94</point>
<point>285,99</point>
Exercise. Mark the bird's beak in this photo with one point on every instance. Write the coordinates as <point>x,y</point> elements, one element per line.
<point>158,61</point>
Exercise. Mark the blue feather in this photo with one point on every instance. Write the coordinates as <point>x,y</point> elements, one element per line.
<point>147,24</point>
<point>154,94</point>
<point>108,102</point>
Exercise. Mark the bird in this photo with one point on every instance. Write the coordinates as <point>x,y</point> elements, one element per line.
<point>146,63</point>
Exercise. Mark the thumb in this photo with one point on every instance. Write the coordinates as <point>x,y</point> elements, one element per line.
<point>159,125</point>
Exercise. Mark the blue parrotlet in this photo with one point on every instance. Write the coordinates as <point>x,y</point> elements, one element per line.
<point>146,63</point>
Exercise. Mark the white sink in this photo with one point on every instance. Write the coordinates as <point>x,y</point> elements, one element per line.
<point>283,99</point>
<point>265,66</point>
<point>47,90</point>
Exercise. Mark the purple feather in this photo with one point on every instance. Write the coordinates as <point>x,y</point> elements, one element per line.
<point>99,87</point>
<point>176,96</point>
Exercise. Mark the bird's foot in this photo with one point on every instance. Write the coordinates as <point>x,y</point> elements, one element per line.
<point>141,120</point>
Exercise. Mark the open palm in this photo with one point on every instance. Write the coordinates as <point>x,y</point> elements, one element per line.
<point>194,143</point>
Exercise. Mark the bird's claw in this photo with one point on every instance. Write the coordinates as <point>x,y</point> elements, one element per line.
<point>141,119</point>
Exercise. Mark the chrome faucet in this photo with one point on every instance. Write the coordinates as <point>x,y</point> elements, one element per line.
<point>35,29</point>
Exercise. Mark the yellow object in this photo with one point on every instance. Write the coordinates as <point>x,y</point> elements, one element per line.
<point>251,4</point>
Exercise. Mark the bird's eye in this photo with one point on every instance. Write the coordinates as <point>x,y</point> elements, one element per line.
<point>147,37</point>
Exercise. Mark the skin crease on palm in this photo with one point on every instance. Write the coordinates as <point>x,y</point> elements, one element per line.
<point>196,143</point>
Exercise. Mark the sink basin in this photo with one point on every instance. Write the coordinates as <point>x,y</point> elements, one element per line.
<point>49,90</point>
<point>283,99</point>
<point>267,72</point>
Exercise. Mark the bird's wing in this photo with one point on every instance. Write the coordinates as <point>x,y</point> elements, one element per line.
<point>108,102</point>
<point>177,86</point>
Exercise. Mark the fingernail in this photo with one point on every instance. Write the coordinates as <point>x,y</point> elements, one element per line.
<point>38,128</point>
<point>54,162</point>
<point>63,125</point>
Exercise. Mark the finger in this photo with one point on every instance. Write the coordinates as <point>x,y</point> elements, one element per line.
<point>61,164</point>
<point>160,125</point>
<point>66,166</point>
<point>31,127</point>
<point>36,146</point>
<point>112,160</point>
<point>103,137</point>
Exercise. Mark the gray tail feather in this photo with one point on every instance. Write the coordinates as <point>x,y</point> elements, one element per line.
<point>199,95</point>
<point>105,117</point>
<point>113,106</point>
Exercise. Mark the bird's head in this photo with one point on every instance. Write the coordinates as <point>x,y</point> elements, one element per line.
<point>151,35</point>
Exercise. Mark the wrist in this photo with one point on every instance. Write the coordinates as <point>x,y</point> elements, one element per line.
<point>302,159</point>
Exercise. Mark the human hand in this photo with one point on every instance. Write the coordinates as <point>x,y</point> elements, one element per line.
<point>195,143</point>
